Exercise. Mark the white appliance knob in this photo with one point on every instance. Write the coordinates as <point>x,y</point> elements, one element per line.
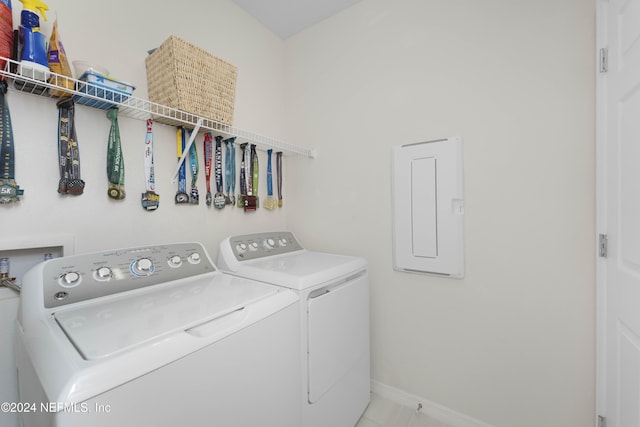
<point>175,261</point>
<point>241,247</point>
<point>143,267</point>
<point>194,258</point>
<point>282,242</point>
<point>269,243</point>
<point>104,273</point>
<point>70,278</point>
<point>253,246</point>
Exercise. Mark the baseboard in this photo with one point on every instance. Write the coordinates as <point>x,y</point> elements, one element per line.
<point>433,409</point>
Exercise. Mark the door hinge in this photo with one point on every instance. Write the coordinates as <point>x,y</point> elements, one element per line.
<point>602,421</point>
<point>604,60</point>
<point>603,245</point>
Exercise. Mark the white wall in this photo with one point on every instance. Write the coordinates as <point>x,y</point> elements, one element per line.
<point>117,35</point>
<point>512,343</point>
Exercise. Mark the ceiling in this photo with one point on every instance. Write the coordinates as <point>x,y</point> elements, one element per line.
<point>288,17</point>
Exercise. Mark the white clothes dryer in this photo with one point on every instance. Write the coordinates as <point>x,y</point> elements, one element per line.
<point>155,336</point>
<point>334,319</point>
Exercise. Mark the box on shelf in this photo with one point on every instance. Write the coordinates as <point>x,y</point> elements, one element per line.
<point>185,77</point>
<point>104,87</point>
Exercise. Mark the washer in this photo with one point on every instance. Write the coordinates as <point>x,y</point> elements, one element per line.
<point>334,319</point>
<point>155,336</point>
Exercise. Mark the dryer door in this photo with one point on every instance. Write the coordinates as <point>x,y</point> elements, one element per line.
<point>338,333</point>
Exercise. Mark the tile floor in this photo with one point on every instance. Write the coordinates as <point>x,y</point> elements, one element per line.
<point>385,413</point>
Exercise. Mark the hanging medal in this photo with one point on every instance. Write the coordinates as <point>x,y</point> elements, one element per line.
<point>243,176</point>
<point>194,198</point>
<point>218,199</point>
<point>269,201</point>
<point>208,154</point>
<point>68,151</point>
<point>279,176</point>
<point>181,195</point>
<point>9,190</point>
<point>150,200</point>
<point>115,161</point>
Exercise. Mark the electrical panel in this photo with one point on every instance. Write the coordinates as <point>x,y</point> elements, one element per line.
<point>428,207</point>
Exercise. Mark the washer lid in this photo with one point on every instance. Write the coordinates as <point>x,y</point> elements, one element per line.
<point>301,269</point>
<point>102,329</point>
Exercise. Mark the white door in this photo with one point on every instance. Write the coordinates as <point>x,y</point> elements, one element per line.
<point>618,380</point>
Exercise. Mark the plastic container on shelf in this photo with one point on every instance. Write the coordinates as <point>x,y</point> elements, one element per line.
<point>104,87</point>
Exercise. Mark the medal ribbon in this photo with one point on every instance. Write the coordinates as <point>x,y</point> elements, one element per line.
<point>243,176</point>
<point>9,191</point>
<point>149,169</point>
<point>208,153</point>
<point>230,168</point>
<point>115,160</point>
<point>218,164</point>
<point>7,151</point>
<point>182,173</point>
<point>279,173</point>
<point>150,200</point>
<point>68,151</point>
<point>255,173</point>
<point>195,167</point>
<point>269,174</point>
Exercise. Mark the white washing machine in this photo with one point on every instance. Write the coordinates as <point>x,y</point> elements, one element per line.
<point>334,319</point>
<point>155,336</point>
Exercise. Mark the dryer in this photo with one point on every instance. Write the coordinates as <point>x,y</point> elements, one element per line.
<point>155,336</point>
<point>334,319</point>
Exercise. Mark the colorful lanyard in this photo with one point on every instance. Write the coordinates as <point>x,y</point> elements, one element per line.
<point>194,199</point>
<point>218,198</point>
<point>227,172</point>
<point>243,176</point>
<point>181,195</point>
<point>279,174</point>
<point>232,175</point>
<point>208,154</point>
<point>115,161</point>
<point>251,201</point>
<point>150,200</point>
<point>269,201</point>
<point>9,190</point>
<point>68,151</point>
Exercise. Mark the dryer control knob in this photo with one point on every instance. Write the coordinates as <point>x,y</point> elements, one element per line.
<point>253,246</point>
<point>70,279</point>
<point>282,242</point>
<point>241,248</point>
<point>175,261</point>
<point>104,273</point>
<point>269,243</point>
<point>143,267</point>
<point>194,258</point>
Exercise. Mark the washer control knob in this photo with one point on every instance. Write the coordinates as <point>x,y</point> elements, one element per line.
<point>104,273</point>
<point>194,258</point>
<point>241,248</point>
<point>175,261</point>
<point>143,267</point>
<point>282,242</point>
<point>253,246</point>
<point>70,279</point>
<point>269,243</point>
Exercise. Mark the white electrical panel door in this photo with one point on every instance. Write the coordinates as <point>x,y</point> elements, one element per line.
<point>428,207</point>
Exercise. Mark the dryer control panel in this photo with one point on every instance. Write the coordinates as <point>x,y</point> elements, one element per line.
<point>78,278</point>
<point>259,245</point>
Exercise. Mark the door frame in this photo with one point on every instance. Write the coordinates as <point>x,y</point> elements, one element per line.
<point>602,7</point>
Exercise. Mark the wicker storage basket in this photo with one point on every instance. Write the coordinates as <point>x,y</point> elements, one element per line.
<point>183,76</point>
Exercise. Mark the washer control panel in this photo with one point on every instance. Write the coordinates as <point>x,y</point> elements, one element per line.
<point>78,278</point>
<point>259,245</point>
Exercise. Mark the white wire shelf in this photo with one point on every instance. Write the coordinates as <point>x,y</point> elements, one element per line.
<point>29,80</point>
